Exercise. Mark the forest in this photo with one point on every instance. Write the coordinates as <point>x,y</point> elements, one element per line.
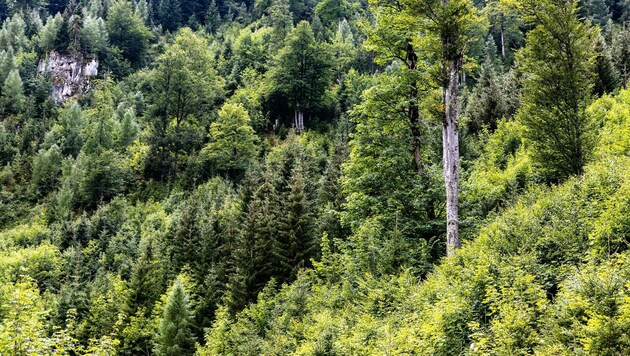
<point>314,177</point>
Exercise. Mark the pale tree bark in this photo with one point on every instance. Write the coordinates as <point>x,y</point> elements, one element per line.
<point>450,139</point>
<point>450,144</point>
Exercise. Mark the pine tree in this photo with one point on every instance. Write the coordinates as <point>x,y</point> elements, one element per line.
<point>175,337</point>
<point>605,80</point>
<point>213,17</point>
<point>142,10</point>
<point>557,63</point>
<point>127,32</point>
<point>490,100</point>
<point>145,286</point>
<point>186,240</point>
<point>128,128</point>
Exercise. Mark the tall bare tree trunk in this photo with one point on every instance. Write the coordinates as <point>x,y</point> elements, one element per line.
<point>450,141</point>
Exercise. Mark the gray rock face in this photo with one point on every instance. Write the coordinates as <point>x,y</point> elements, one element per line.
<point>70,76</point>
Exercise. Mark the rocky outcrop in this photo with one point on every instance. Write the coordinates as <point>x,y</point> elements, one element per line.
<point>70,76</point>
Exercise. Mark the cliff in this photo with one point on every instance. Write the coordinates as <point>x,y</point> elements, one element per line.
<point>70,76</point>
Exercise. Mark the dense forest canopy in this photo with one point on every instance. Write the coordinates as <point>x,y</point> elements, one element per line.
<point>314,177</point>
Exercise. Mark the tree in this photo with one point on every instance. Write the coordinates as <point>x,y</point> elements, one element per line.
<point>170,14</point>
<point>620,53</point>
<point>557,62</point>
<point>94,36</point>
<point>302,72</point>
<point>13,99</point>
<point>22,329</point>
<point>253,264</point>
<point>71,129</point>
<point>46,169</point>
<point>232,143</point>
<point>294,245</point>
<point>47,37</point>
<point>184,87</point>
<point>127,32</point>
<point>128,128</point>
<point>175,337</point>
<point>435,33</point>
<point>493,96</point>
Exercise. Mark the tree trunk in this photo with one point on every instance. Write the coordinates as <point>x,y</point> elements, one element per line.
<point>450,142</point>
<point>502,36</point>
<point>413,111</point>
<point>452,58</point>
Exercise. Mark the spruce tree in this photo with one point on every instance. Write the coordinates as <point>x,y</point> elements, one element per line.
<point>146,282</point>
<point>252,254</point>
<point>294,244</point>
<point>620,53</point>
<point>175,337</point>
<point>557,63</point>
<point>170,14</point>
<point>72,125</point>
<point>13,99</point>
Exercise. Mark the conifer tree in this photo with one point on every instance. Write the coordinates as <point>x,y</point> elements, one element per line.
<point>620,53</point>
<point>128,32</point>
<point>175,337</point>
<point>13,99</point>
<point>128,128</point>
<point>557,63</point>
<point>145,286</point>
<point>294,244</point>
<point>72,125</point>
<point>170,14</point>
<point>253,261</point>
<point>186,240</point>
<point>213,17</point>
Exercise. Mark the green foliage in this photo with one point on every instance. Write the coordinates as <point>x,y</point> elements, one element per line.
<point>302,70</point>
<point>46,169</point>
<point>168,208</point>
<point>175,337</point>
<point>127,32</point>
<point>13,100</point>
<point>558,63</point>
<point>22,329</point>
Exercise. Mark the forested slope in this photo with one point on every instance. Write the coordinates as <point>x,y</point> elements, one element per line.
<point>184,177</point>
<point>549,275</point>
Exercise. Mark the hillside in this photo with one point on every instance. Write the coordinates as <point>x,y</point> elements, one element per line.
<point>314,177</point>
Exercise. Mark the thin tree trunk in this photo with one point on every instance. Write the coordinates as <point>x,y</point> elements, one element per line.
<point>451,159</point>
<point>502,36</point>
<point>413,110</point>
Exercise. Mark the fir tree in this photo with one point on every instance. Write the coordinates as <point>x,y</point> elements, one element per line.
<point>175,337</point>
<point>558,63</point>
<point>13,99</point>
<point>294,244</point>
<point>170,14</point>
<point>213,17</point>
<point>252,251</point>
